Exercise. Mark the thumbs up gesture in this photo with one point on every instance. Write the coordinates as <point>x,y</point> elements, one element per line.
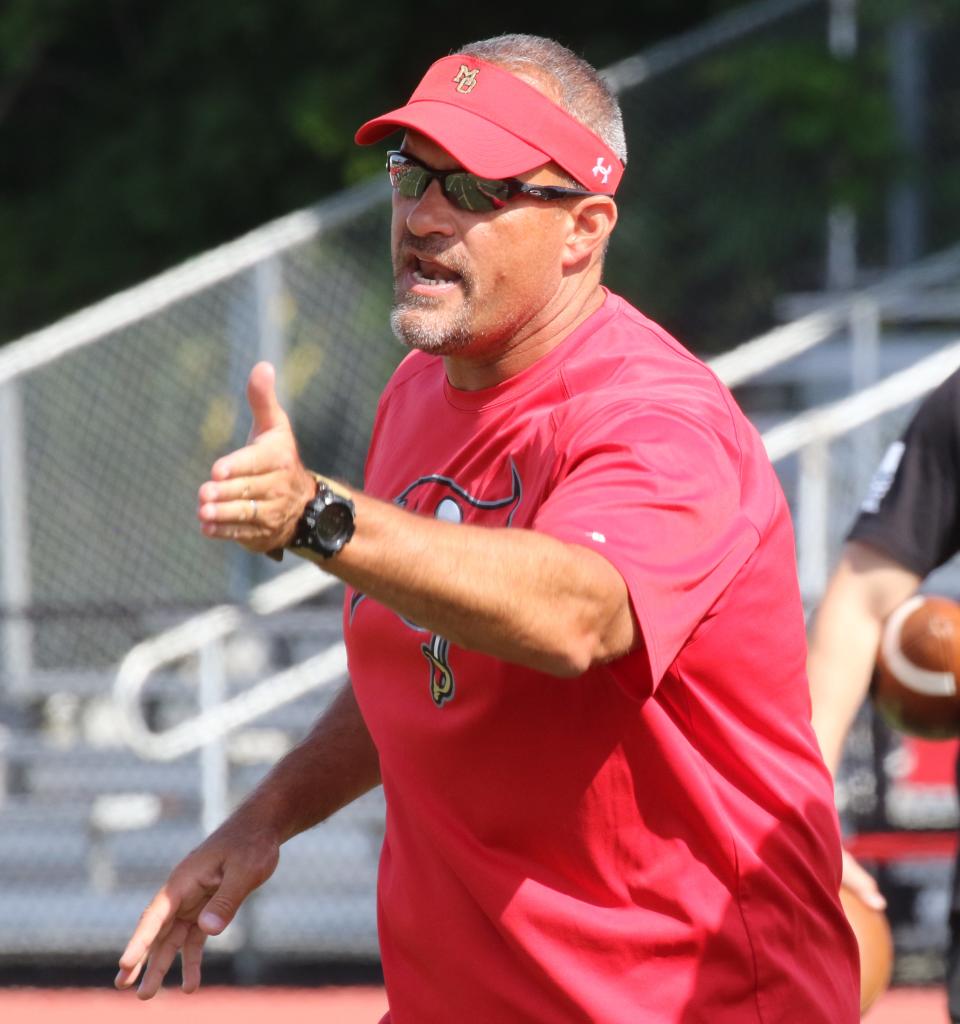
<point>256,495</point>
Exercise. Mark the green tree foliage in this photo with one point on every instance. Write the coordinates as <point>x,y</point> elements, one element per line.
<point>731,212</point>
<point>134,133</point>
<point>751,148</point>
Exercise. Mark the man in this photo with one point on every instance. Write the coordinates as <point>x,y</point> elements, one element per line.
<point>909,524</point>
<point>575,638</point>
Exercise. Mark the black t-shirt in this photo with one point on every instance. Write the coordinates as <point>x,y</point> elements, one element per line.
<point>912,508</point>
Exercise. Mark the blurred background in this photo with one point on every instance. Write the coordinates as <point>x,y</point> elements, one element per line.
<point>180,196</point>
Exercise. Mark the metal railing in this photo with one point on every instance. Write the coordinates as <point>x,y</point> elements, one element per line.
<point>858,311</point>
<point>810,434</point>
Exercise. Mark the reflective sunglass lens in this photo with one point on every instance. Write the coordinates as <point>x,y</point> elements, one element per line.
<point>409,180</point>
<point>464,189</point>
<point>498,192</point>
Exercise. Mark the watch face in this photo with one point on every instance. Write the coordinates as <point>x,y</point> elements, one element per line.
<point>326,524</point>
<point>333,522</point>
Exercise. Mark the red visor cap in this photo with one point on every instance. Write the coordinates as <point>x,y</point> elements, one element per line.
<point>496,125</point>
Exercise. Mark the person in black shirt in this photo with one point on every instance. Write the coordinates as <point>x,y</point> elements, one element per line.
<point>909,525</point>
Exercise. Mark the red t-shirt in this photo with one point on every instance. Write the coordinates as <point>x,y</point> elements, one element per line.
<point>654,841</point>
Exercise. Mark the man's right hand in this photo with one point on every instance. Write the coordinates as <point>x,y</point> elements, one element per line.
<point>256,495</point>
<point>200,898</point>
<point>861,883</point>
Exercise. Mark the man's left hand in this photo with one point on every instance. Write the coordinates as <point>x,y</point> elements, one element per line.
<point>256,495</point>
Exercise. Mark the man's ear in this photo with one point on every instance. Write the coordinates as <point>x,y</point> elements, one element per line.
<point>591,221</point>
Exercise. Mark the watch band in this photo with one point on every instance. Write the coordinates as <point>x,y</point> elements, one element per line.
<point>315,530</point>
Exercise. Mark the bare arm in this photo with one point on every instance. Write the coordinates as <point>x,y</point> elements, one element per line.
<point>865,587</point>
<point>519,595</point>
<point>334,765</point>
<point>516,594</point>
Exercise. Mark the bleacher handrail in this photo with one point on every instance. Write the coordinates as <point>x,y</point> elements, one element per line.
<point>207,628</point>
<point>829,421</point>
<point>789,340</point>
<point>129,307</point>
<point>213,723</point>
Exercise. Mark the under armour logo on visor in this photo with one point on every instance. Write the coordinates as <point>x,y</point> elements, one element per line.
<point>466,79</point>
<point>599,169</point>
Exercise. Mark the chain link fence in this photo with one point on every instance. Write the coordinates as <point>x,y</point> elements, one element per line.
<point>106,440</point>
<point>111,419</point>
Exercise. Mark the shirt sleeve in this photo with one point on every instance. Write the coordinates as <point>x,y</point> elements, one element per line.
<point>912,508</point>
<point>657,492</point>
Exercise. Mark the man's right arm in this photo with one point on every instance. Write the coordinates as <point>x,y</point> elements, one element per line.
<point>865,587</point>
<point>335,764</point>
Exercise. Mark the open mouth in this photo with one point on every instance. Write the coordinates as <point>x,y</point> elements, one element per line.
<point>432,275</point>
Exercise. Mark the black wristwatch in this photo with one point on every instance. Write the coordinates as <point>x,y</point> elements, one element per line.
<point>327,523</point>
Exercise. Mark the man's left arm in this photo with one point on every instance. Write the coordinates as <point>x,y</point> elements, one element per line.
<point>518,595</point>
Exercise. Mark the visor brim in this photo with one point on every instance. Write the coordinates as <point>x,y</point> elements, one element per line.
<point>477,144</point>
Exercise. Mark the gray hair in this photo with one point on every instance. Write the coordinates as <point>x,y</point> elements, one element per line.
<point>580,90</point>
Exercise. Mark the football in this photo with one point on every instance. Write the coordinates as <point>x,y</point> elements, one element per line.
<point>875,942</point>
<point>915,682</point>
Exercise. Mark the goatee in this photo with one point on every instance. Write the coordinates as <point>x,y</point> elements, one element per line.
<point>422,321</point>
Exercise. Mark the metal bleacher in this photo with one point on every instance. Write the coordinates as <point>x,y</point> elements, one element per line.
<point>89,828</point>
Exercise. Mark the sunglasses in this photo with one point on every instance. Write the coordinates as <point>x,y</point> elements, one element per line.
<point>410,178</point>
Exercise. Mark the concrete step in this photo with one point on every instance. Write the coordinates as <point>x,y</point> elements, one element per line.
<point>45,920</point>
<point>302,924</point>
<point>81,773</point>
<point>52,854</point>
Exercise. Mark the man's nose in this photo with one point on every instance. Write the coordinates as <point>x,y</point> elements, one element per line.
<point>432,213</point>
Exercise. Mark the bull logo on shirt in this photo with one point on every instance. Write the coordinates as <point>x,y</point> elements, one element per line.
<point>441,674</point>
<point>446,500</point>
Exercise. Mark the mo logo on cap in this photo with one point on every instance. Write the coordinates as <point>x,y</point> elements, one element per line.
<point>466,79</point>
